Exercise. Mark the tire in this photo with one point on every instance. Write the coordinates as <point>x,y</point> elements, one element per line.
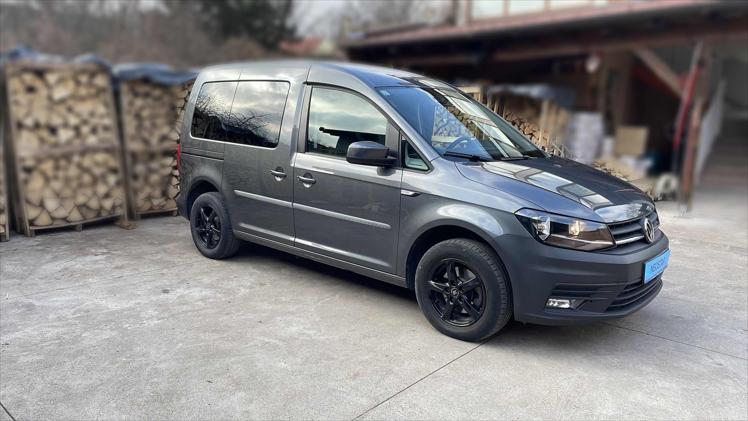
<point>211,227</point>
<point>479,290</point>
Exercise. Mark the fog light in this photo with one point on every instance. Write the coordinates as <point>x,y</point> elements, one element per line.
<point>563,303</point>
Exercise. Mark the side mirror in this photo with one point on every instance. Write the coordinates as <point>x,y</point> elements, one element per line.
<point>370,153</point>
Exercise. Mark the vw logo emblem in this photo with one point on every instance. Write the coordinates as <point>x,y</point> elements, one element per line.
<point>649,232</point>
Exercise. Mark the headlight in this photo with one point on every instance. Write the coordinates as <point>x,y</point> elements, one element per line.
<point>562,231</point>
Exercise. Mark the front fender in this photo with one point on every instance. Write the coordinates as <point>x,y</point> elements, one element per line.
<point>421,214</point>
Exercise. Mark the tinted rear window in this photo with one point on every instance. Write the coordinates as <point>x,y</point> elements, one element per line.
<point>212,110</point>
<point>256,113</point>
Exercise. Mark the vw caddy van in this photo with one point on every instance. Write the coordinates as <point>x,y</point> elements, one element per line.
<point>408,180</point>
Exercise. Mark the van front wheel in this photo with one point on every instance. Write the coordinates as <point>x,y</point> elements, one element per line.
<point>462,290</point>
<point>211,227</point>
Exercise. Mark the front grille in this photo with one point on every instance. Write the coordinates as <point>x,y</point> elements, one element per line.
<point>632,231</point>
<point>633,294</point>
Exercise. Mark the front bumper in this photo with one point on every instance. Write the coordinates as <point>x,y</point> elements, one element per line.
<point>609,282</point>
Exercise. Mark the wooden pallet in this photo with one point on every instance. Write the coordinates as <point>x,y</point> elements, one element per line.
<point>78,226</point>
<point>71,159</point>
<point>158,212</point>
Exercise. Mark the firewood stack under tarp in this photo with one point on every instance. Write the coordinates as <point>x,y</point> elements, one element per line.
<point>65,164</point>
<point>182,98</point>
<point>151,99</point>
<point>4,220</point>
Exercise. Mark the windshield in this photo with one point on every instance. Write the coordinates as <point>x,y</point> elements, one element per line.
<point>456,125</point>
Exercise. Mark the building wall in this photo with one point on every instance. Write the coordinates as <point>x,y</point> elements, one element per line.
<point>492,9</point>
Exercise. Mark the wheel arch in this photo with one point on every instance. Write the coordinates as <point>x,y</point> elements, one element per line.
<point>438,232</point>
<point>198,187</point>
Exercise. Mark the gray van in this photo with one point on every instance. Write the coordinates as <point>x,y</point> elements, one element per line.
<point>407,180</point>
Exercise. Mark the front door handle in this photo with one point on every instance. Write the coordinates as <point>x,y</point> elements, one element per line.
<point>307,180</point>
<point>278,173</point>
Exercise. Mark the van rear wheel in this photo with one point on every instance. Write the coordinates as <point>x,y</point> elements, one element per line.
<point>462,290</point>
<point>211,227</point>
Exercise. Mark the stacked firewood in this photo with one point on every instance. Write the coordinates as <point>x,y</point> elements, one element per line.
<point>539,138</point>
<point>182,97</point>
<point>71,188</point>
<point>529,129</point>
<point>64,144</point>
<point>154,182</point>
<point>3,198</point>
<point>150,111</point>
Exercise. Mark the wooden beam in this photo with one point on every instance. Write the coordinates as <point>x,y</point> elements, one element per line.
<point>660,69</point>
<point>559,46</point>
<point>591,43</point>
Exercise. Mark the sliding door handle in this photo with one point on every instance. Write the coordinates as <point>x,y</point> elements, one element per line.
<point>278,173</point>
<point>307,180</point>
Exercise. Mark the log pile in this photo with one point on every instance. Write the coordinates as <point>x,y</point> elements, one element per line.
<point>541,121</point>
<point>180,102</point>
<point>529,129</point>
<point>542,139</point>
<point>150,112</point>
<point>65,161</point>
<point>4,222</point>
<point>181,98</point>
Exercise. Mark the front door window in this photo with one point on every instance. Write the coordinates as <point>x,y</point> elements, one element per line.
<point>338,118</point>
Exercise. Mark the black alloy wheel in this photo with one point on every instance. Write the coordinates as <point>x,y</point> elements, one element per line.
<point>208,227</point>
<point>457,293</point>
<point>463,290</point>
<point>211,227</point>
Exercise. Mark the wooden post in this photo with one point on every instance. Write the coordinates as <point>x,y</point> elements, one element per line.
<point>685,104</point>
<point>694,131</point>
<point>660,69</point>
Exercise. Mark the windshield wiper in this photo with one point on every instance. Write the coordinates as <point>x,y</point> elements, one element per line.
<point>515,158</point>
<point>469,156</point>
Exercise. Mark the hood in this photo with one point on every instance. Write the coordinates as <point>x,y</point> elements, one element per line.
<point>564,187</point>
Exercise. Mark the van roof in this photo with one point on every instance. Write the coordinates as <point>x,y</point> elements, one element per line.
<point>374,76</point>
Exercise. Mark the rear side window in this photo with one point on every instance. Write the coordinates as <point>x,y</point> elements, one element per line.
<point>212,110</point>
<point>337,119</point>
<point>256,113</point>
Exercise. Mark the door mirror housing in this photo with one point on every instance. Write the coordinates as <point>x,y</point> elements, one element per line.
<point>370,153</point>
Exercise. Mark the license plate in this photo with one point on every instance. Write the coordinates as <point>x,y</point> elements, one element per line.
<point>656,266</point>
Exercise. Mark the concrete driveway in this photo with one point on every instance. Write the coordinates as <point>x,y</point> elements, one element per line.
<point>108,323</point>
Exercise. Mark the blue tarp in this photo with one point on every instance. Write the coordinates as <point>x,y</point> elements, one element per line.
<point>153,72</point>
<point>161,74</point>
<point>21,52</point>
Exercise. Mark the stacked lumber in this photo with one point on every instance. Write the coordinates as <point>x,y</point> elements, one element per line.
<point>150,112</point>
<point>63,140</point>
